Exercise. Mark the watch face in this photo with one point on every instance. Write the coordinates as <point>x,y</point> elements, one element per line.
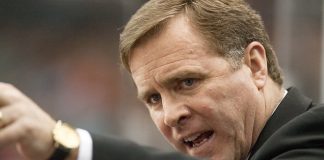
<point>66,136</point>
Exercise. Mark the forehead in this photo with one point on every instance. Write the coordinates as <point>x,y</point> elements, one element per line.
<point>176,51</point>
<point>176,39</point>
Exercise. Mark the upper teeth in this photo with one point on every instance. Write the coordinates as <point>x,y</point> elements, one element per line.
<point>191,138</point>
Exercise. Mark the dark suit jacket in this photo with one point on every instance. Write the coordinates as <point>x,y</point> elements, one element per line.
<point>110,148</point>
<point>294,131</point>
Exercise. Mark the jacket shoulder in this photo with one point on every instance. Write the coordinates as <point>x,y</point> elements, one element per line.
<point>300,138</point>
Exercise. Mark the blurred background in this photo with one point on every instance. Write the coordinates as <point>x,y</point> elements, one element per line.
<point>64,55</point>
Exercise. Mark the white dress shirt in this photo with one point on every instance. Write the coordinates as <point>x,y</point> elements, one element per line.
<point>85,149</point>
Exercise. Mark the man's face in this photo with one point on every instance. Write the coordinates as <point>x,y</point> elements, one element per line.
<point>196,100</point>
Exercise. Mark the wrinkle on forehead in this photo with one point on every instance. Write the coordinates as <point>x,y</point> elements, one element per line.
<point>176,36</point>
<point>161,66</point>
<point>161,62</point>
<point>151,62</point>
<point>149,67</point>
<point>149,57</point>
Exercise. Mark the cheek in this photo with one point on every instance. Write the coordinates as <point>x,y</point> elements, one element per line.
<point>158,120</point>
<point>222,106</point>
<point>166,131</point>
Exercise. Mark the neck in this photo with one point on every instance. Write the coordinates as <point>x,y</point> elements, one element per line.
<point>272,96</point>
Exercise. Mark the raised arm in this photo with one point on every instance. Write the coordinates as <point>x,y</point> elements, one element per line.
<point>24,123</point>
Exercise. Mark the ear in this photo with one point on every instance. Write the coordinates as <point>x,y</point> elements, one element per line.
<point>255,58</point>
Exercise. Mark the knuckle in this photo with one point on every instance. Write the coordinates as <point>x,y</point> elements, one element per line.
<point>4,85</point>
<point>17,112</point>
<point>11,94</point>
<point>27,126</point>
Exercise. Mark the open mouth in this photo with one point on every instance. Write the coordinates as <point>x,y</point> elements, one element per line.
<point>197,140</point>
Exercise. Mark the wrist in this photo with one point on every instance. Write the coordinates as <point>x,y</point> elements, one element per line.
<point>66,142</point>
<point>74,154</point>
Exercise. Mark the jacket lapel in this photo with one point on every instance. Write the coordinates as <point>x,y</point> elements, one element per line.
<point>291,106</point>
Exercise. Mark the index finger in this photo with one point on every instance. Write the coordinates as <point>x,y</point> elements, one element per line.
<point>9,94</point>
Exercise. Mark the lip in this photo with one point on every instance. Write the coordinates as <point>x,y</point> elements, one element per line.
<point>203,148</point>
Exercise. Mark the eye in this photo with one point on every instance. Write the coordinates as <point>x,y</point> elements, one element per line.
<point>187,83</point>
<point>154,99</point>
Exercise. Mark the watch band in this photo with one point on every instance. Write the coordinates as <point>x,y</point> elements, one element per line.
<point>65,140</point>
<point>60,153</point>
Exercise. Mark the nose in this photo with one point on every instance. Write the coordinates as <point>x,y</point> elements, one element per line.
<point>176,113</point>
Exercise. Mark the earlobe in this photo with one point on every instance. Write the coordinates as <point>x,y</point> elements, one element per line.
<point>255,58</point>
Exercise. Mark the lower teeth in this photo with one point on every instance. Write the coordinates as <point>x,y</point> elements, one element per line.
<point>197,144</point>
<point>193,144</point>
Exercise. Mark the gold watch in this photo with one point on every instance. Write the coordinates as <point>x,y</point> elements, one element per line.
<point>65,140</point>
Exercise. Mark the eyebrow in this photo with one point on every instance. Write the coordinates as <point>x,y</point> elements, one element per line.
<point>141,95</point>
<point>172,77</point>
<point>176,75</point>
